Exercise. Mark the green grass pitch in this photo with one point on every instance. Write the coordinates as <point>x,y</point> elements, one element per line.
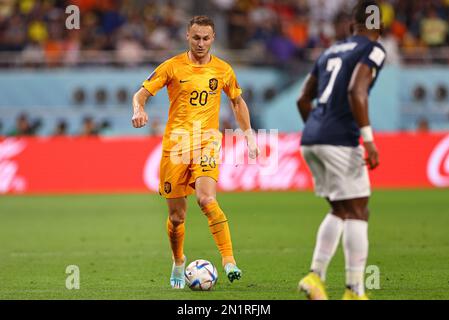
<point>120,245</point>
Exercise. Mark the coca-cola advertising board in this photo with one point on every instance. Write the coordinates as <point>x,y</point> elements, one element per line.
<point>104,165</point>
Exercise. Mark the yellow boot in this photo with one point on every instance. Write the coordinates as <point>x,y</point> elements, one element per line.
<point>313,287</point>
<point>351,295</point>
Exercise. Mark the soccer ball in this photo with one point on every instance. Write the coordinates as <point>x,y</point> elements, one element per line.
<point>201,275</point>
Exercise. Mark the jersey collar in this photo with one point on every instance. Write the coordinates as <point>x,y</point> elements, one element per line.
<point>189,62</point>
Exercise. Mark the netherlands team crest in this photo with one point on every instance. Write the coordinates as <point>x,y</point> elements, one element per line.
<point>213,84</point>
<point>167,187</point>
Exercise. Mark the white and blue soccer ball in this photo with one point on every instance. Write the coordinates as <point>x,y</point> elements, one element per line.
<point>201,275</point>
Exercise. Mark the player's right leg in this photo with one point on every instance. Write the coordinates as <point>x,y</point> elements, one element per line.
<point>175,230</point>
<point>329,232</point>
<point>173,178</point>
<point>328,237</point>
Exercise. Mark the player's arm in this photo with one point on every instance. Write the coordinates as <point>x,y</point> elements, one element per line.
<point>159,78</point>
<point>140,117</point>
<point>241,114</point>
<point>358,100</point>
<point>306,97</point>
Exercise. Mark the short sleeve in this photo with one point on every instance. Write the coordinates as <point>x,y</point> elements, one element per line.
<point>158,78</point>
<point>231,86</point>
<point>374,56</point>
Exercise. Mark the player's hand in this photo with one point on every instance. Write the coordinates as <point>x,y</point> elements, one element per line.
<point>253,149</point>
<point>139,119</point>
<point>372,158</point>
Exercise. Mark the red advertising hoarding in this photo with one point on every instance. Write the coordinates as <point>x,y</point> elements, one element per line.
<point>102,165</point>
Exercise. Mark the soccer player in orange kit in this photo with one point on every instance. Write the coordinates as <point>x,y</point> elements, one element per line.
<point>192,142</point>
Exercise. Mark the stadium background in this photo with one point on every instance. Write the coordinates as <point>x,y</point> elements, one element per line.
<point>79,184</point>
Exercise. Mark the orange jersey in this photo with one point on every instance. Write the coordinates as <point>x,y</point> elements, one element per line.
<point>194,92</point>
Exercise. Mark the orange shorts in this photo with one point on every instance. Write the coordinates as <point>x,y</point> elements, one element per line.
<point>178,179</point>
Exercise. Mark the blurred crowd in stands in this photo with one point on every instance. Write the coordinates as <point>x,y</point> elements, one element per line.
<point>28,126</point>
<point>285,29</point>
<point>281,33</point>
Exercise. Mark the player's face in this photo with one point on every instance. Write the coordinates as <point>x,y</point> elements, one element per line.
<point>200,40</point>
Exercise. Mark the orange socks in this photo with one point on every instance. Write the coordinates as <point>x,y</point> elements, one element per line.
<point>176,237</point>
<point>218,225</point>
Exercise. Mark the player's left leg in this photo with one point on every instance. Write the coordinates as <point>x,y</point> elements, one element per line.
<point>355,247</point>
<point>205,188</point>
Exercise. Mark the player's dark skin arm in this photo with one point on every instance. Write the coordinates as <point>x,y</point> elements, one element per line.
<point>358,100</point>
<point>140,98</point>
<point>307,95</point>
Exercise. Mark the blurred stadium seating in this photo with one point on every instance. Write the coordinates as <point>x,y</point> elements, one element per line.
<point>56,75</point>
